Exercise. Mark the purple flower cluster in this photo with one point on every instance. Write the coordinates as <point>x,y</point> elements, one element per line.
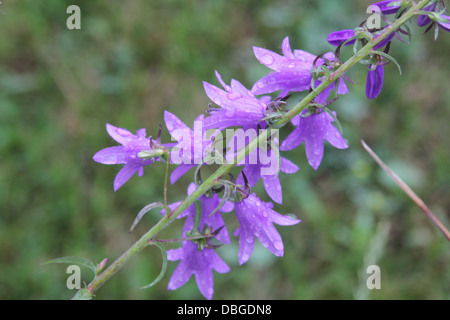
<point>375,74</point>
<point>249,114</point>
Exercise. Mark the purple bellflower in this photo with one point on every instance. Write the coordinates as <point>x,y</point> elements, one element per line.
<point>313,130</point>
<point>196,261</point>
<point>256,219</point>
<point>292,72</point>
<point>126,154</point>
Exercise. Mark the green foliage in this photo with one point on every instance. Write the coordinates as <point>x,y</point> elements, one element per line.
<point>133,59</point>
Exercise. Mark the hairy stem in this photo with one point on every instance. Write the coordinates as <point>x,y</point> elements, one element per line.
<point>227,167</point>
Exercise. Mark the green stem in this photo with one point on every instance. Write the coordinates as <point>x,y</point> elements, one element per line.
<point>166,180</point>
<point>227,167</point>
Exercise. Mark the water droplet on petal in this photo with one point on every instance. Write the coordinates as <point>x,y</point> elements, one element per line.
<point>292,65</point>
<point>278,245</point>
<point>249,240</point>
<point>122,132</point>
<point>267,59</point>
<point>271,81</point>
<point>229,113</point>
<point>234,95</point>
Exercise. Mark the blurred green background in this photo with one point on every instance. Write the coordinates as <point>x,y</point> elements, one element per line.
<point>132,60</point>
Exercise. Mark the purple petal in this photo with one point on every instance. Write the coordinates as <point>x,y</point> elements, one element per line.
<point>337,37</point>
<point>180,171</point>
<point>287,166</point>
<point>173,123</point>
<point>385,8</point>
<point>275,81</point>
<point>111,155</point>
<point>374,82</point>
<point>273,188</point>
<point>269,58</point>
<point>121,135</point>
<point>124,175</point>
<point>286,48</point>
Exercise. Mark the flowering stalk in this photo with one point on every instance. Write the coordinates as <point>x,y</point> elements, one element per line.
<point>213,180</point>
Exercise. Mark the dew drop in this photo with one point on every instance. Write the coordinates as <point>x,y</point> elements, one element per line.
<point>278,245</point>
<point>247,110</point>
<point>234,95</point>
<point>267,59</point>
<point>249,240</point>
<point>229,113</point>
<point>292,65</point>
<point>260,84</point>
<point>122,132</point>
<point>258,203</point>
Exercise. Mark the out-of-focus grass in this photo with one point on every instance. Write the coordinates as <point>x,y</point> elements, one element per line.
<point>133,59</point>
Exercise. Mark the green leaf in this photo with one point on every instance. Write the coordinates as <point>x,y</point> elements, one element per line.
<point>75,260</point>
<point>164,266</point>
<point>146,209</point>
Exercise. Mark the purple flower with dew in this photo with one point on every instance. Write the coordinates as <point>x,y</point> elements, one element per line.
<point>193,261</point>
<point>262,163</point>
<point>374,82</point>
<point>126,154</point>
<point>239,107</point>
<point>313,130</point>
<point>192,145</point>
<point>386,7</point>
<point>292,72</point>
<point>256,219</point>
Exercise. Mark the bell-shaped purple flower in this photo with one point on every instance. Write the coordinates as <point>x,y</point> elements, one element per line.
<point>256,219</point>
<point>292,72</point>
<point>126,154</point>
<point>193,261</point>
<point>374,82</point>
<point>239,106</point>
<point>313,130</point>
